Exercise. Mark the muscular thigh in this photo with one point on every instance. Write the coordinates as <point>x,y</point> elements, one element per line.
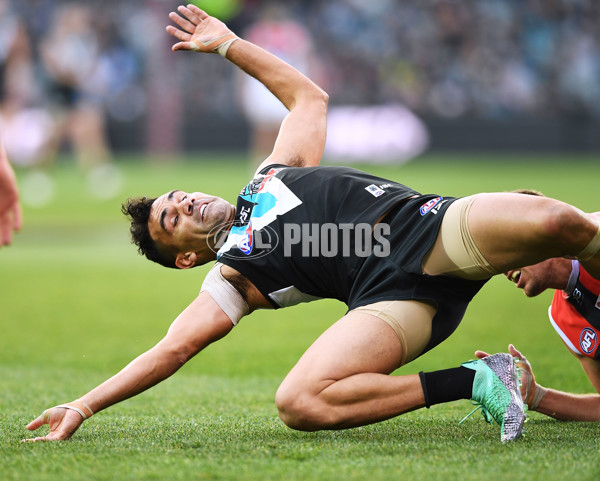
<point>486,234</point>
<point>508,228</point>
<point>357,343</point>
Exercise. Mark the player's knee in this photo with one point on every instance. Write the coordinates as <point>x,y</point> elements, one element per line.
<point>564,226</point>
<point>300,410</point>
<point>293,409</point>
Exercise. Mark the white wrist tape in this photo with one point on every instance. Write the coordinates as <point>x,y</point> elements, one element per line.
<point>78,406</point>
<point>222,49</point>
<point>540,392</point>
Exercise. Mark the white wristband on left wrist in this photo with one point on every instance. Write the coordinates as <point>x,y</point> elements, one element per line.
<point>540,392</point>
<point>222,49</point>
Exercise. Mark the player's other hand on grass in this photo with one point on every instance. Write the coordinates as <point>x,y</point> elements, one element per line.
<point>10,209</point>
<point>198,31</point>
<point>528,384</point>
<point>62,422</point>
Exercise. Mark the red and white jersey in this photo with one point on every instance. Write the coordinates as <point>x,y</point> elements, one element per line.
<point>575,313</point>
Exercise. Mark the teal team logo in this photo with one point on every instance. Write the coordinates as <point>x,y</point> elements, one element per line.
<point>260,203</point>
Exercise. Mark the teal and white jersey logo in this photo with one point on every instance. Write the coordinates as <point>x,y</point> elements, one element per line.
<point>264,199</point>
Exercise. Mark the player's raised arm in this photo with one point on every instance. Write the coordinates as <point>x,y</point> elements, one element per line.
<point>200,324</point>
<point>301,139</point>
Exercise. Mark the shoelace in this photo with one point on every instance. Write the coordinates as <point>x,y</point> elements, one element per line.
<point>486,414</point>
<point>484,411</point>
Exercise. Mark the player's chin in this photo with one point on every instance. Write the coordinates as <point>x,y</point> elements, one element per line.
<point>221,217</point>
<point>532,291</point>
<point>225,212</point>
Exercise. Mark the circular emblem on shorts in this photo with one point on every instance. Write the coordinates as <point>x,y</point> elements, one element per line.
<point>588,340</point>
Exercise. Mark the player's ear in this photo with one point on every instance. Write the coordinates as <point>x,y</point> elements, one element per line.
<point>186,260</point>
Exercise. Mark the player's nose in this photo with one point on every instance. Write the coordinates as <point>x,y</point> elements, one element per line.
<point>188,204</point>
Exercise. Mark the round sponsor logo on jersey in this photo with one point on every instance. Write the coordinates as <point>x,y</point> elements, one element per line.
<point>588,340</point>
<point>247,243</point>
<point>257,243</point>
<point>253,243</point>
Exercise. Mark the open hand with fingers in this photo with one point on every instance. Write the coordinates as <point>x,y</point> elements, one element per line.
<point>530,390</point>
<point>199,32</point>
<point>63,421</point>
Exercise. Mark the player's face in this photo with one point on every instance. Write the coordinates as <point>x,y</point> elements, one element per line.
<point>535,279</point>
<point>184,222</point>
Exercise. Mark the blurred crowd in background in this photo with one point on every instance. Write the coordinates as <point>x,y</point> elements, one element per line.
<point>69,68</point>
<point>452,58</point>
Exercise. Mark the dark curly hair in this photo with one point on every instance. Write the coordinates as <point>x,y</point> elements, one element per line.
<point>138,209</point>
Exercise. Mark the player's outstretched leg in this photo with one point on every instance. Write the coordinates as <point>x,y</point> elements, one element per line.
<point>496,389</point>
<point>510,229</point>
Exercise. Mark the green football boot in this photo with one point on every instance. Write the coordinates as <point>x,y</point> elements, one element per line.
<point>497,392</point>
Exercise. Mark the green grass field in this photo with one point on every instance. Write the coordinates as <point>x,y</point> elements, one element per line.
<point>77,304</point>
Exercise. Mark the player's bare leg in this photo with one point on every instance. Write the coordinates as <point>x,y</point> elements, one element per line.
<point>516,230</point>
<point>343,379</point>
